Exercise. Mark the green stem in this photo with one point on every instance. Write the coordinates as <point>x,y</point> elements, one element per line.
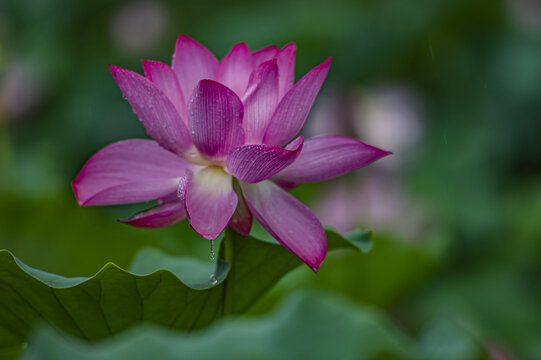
<point>227,254</point>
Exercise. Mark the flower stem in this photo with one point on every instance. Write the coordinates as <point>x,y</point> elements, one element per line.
<point>227,254</point>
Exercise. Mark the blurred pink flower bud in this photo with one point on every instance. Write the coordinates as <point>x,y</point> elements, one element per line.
<point>390,116</point>
<point>138,26</point>
<point>20,89</point>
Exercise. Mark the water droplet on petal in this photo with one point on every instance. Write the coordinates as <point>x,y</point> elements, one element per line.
<point>213,279</point>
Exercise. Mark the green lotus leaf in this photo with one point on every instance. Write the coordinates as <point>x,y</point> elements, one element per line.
<point>158,289</point>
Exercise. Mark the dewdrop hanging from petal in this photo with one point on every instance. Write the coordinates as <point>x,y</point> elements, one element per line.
<point>224,146</point>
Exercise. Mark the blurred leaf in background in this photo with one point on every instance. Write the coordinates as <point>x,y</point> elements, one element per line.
<point>308,325</point>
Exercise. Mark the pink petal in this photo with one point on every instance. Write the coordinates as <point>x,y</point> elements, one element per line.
<point>264,54</point>
<point>291,222</point>
<point>327,157</point>
<point>159,116</point>
<point>166,80</point>
<point>129,171</point>
<point>255,163</point>
<point>293,109</point>
<point>192,62</point>
<point>286,66</point>
<point>210,201</point>
<point>242,220</point>
<point>260,101</point>
<point>235,69</point>
<point>215,119</point>
<point>161,215</point>
<point>284,184</point>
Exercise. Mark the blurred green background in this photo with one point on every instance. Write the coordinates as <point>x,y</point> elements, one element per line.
<point>452,87</point>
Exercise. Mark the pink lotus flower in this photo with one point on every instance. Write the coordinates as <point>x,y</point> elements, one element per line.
<point>213,122</point>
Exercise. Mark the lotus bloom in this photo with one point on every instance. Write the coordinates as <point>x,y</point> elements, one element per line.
<point>224,146</point>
